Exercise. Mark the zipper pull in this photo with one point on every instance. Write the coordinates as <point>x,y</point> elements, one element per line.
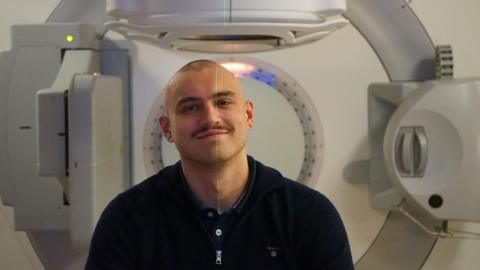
<point>218,259</point>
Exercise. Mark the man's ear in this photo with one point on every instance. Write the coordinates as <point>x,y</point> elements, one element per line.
<point>165,127</point>
<point>249,113</point>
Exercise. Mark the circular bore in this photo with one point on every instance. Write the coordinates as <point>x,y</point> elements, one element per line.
<point>285,85</point>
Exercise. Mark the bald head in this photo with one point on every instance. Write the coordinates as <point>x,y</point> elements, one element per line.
<point>199,65</point>
<point>204,69</point>
<point>206,115</point>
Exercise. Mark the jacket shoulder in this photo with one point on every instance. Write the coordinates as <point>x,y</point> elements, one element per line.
<point>147,191</point>
<point>294,190</point>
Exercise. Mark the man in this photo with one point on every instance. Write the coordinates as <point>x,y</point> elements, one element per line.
<point>217,208</point>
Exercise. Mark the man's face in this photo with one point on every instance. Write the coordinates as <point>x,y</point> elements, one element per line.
<point>207,117</point>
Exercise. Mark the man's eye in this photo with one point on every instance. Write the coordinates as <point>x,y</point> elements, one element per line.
<point>190,108</point>
<point>223,102</point>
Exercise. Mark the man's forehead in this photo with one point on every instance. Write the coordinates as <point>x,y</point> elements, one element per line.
<point>194,97</point>
<point>202,83</point>
<point>212,74</point>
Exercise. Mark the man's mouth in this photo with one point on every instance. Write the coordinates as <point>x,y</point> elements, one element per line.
<point>210,133</point>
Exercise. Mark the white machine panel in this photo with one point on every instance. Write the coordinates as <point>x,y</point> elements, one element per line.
<point>200,25</point>
<point>128,8</point>
<point>432,149</point>
<point>51,137</point>
<point>96,152</point>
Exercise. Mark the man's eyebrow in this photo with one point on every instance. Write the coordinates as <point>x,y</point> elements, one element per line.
<point>223,93</point>
<point>186,99</point>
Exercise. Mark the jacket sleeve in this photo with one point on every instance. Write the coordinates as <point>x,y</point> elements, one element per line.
<point>114,243</point>
<point>323,242</point>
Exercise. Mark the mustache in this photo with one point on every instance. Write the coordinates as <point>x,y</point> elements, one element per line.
<point>206,128</point>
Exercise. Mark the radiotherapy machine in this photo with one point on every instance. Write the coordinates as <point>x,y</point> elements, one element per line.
<point>80,96</point>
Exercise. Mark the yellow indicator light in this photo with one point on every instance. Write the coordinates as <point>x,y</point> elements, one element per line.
<point>70,38</point>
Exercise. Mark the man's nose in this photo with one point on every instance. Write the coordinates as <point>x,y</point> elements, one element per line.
<point>210,115</point>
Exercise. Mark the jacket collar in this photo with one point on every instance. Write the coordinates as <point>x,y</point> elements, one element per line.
<point>265,179</point>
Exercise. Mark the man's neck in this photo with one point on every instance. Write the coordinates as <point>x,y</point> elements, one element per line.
<point>218,185</point>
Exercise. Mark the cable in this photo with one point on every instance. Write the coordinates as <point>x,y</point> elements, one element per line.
<point>444,232</point>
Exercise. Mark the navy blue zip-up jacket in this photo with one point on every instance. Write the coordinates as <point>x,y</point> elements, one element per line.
<point>284,225</point>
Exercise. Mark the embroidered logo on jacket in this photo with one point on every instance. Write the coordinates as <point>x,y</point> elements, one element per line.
<point>274,251</point>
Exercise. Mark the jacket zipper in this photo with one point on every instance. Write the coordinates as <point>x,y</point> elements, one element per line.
<point>218,251</point>
<point>218,259</point>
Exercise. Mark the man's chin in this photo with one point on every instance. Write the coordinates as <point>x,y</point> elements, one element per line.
<point>214,159</point>
<point>213,155</point>
<point>211,158</point>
